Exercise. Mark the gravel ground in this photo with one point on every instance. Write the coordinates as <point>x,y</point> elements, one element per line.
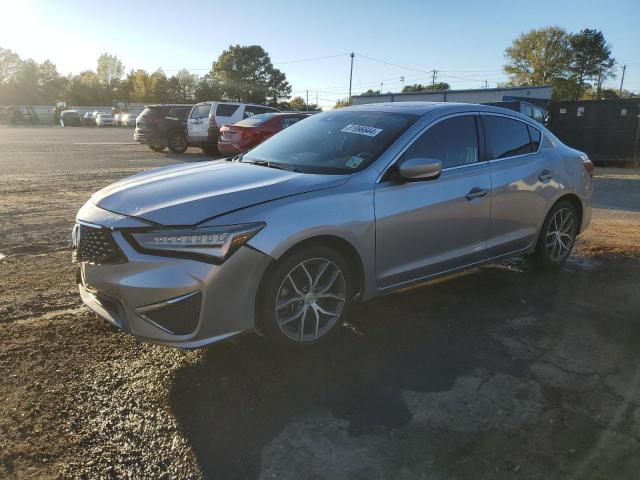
<point>502,372</point>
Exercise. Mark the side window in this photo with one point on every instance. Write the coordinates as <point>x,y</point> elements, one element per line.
<point>226,109</point>
<point>201,111</point>
<point>183,113</point>
<point>535,135</point>
<point>506,137</point>
<point>453,141</point>
<point>287,122</point>
<point>251,110</point>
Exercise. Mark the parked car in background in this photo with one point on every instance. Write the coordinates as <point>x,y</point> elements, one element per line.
<point>340,207</point>
<point>526,108</point>
<point>206,118</point>
<point>70,118</point>
<point>104,120</point>
<point>129,119</point>
<point>161,126</point>
<point>89,119</point>
<point>247,133</point>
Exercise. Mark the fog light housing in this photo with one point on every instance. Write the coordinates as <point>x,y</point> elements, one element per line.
<point>177,316</point>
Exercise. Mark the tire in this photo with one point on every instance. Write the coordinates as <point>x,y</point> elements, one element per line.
<point>557,236</point>
<point>177,143</point>
<point>156,148</point>
<point>305,317</point>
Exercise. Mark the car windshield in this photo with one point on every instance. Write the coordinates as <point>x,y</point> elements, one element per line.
<point>333,142</point>
<point>256,120</point>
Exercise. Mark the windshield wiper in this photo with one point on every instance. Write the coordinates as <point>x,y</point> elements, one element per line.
<point>266,163</point>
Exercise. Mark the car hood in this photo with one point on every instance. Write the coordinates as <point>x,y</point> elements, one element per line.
<point>190,194</point>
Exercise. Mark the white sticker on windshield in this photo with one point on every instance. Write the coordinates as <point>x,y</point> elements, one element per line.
<point>354,162</point>
<point>362,130</point>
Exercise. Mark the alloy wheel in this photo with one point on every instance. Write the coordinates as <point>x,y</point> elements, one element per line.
<point>179,143</point>
<point>560,234</point>
<point>310,299</point>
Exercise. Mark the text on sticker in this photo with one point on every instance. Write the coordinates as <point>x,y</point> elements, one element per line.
<point>362,130</point>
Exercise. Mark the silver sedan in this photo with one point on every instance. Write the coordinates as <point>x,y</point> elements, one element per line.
<point>336,209</point>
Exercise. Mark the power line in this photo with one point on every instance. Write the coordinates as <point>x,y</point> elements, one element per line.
<point>310,59</point>
<point>393,64</point>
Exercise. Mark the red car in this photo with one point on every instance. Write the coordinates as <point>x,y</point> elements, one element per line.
<point>247,133</point>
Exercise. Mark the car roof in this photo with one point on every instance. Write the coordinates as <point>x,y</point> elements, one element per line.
<point>423,108</point>
<point>169,105</point>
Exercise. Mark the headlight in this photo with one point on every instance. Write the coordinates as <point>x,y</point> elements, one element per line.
<point>205,243</point>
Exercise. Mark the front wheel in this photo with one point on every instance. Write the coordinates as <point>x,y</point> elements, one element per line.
<point>177,143</point>
<point>305,297</point>
<point>557,236</point>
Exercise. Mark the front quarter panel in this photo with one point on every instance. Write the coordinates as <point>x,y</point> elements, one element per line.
<point>345,212</point>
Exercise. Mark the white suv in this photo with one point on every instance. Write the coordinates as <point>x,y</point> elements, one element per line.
<point>206,118</point>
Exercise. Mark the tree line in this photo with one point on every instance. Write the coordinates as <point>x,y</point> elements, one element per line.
<point>241,73</point>
<point>576,64</point>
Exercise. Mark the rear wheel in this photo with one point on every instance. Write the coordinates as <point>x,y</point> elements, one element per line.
<point>305,297</point>
<point>557,236</point>
<point>156,148</point>
<point>177,143</point>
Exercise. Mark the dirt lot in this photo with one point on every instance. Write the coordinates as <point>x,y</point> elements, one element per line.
<point>502,372</point>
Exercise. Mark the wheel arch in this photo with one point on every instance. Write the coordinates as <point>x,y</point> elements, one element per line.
<point>334,242</point>
<point>575,201</point>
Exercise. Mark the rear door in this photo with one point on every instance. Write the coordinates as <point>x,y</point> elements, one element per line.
<point>433,226</point>
<point>523,181</point>
<point>198,122</point>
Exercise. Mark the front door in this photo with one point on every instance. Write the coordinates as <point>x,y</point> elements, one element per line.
<point>432,226</point>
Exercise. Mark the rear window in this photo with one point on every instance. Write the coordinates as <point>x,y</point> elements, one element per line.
<point>149,111</point>
<point>256,120</point>
<point>226,109</point>
<point>506,137</point>
<point>201,111</point>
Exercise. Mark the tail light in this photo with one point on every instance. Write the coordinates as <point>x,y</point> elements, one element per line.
<point>249,132</point>
<point>588,165</point>
<point>212,122</point>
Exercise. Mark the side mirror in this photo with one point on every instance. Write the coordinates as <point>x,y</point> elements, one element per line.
<point>419,168</point>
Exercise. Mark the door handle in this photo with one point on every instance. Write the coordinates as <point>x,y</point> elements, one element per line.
<point>476,193</point>
<point>545,175</point>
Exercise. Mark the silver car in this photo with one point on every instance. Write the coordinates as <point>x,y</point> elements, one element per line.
<point>338,208</point>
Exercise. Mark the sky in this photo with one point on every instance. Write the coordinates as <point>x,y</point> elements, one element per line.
<point>310,41</point>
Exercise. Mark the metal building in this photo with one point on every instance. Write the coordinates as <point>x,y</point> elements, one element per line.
<point>539,95</point>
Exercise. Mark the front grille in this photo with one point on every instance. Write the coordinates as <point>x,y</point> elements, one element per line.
<point>96,245</point>
<point>178,316</point>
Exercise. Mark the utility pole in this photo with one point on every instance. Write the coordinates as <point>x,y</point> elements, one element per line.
<point>402,82</point>
<point>307,103</point>
<point>624,69</point>
<point>486,84</point>
<point>317,100</point>
<point>599,84</point>
<point>433,77</point>
<point>350,76</point>
<point>380,88</point>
